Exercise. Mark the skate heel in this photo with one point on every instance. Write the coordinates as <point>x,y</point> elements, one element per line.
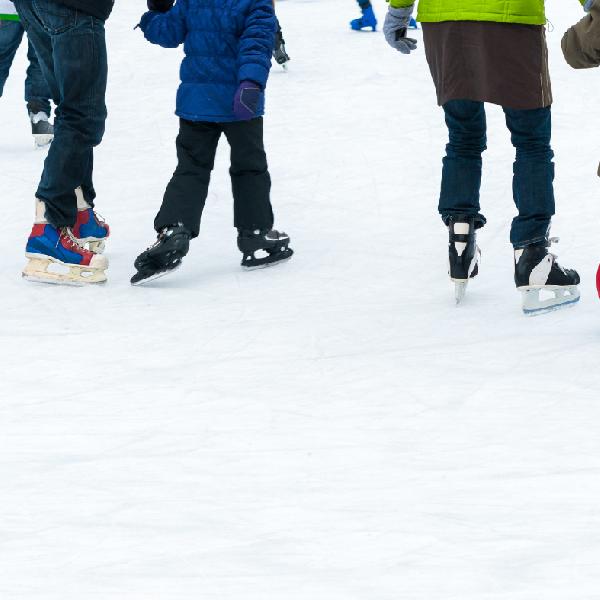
<point>464,255</point>
<point>272,245</point>
<point>561,297</point>
<point>47,270</point>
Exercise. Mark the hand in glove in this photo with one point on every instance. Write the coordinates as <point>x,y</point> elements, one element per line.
<point>247,98</point>
<point>160,5</point>
<point>395,27</point>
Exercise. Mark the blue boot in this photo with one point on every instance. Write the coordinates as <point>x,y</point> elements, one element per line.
<point>367,20</point>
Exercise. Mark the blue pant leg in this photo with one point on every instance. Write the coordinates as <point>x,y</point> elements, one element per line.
<point>461,170</point>
<point>78,87</point>
<point>11,34</point>
<point>533,179</point>
<point>37,92</point>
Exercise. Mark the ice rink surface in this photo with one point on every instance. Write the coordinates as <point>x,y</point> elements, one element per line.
<point>332,429</point>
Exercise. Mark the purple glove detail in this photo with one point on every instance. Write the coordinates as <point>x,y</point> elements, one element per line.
<point>247,99</point>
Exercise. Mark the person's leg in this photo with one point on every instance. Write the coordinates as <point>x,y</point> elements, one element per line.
<point>250,179</point>
<point>461,171</point>
<point>11,34</point>
<point>186,193</point>
<point>533,169</point>
<point>37,93</point>
<point>59,33</point>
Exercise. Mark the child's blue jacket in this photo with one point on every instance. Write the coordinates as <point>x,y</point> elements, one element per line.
<point>225,42</point>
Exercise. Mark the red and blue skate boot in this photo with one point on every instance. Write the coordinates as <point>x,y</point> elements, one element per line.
<point>56,256</point>
<point>90,229</point>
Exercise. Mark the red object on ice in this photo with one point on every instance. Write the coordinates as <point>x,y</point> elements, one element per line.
<point>598,280</point>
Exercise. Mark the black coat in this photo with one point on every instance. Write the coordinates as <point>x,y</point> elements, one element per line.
<point>96,8</point>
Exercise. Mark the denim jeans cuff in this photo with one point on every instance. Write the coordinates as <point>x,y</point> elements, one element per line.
<point>535,241</point>
<point>479,219</point>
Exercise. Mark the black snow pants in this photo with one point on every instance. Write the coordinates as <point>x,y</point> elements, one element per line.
<point>186,193</point>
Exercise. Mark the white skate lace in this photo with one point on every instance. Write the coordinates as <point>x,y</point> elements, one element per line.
<point>162,234</point>
<point>70,237</point>
<point>555,240</point>
<point>99,217</point>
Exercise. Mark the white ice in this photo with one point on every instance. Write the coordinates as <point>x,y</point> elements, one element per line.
<point>333,429</point>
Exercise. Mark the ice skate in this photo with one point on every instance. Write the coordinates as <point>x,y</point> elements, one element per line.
<point>164,256</point>
<point>90,229</point>
<point>273,246</point>
<point>56,257</point>
<point>279,52</point>
<point>537,271</point>
<point>463,254</point>
<point>41,129</point>
<point>367,20</point>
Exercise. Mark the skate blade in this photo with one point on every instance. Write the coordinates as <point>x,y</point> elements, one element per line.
<point>460,290</point>
<point>37,271</point>
<point>267,261</point>
<point>42,141</point>
<point>563,298</point>
<point>155,276</point>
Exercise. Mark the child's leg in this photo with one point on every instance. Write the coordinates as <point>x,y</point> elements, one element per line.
<point>250,179</point>
<point>186,193</point>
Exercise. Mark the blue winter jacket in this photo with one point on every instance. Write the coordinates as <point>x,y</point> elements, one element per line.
<point>225,43</point>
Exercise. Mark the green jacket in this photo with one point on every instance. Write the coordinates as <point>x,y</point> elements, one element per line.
<point>526,12</point>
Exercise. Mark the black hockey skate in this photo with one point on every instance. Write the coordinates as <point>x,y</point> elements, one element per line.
<point>463,255</point>
<point>537,270</point>
<point>279,53</point>
<point>164,256</point>
<point>274,244</point>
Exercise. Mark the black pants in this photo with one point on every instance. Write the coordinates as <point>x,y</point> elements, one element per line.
<point>250,180</point>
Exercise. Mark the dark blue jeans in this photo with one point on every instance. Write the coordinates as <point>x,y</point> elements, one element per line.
<point>37,93</point>
<point>71,49</point>
<point>533,170</point>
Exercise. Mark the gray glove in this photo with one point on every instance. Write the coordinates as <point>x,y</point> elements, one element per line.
<point>395,27</point>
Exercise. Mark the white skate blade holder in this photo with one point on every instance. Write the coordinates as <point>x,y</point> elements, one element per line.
<point>42,140</point>
<point>42,269</point>
<point>460,290</point>
<point>560,297</point>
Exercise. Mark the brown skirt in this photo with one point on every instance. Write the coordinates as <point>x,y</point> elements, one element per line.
<point>501,63</point>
